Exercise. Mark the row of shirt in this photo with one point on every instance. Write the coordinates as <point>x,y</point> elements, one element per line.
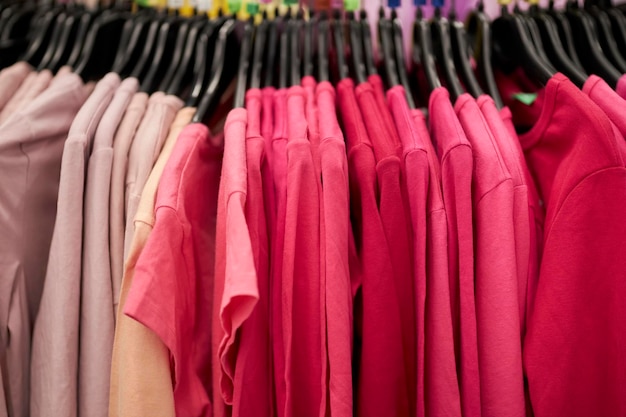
<point>330,252</point>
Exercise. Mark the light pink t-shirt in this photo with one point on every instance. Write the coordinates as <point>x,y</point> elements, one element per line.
<point>31,146</point>
<point>11,79</point>
<point>97,320</point>
<point>10,106</point>
<point>56,342</point>
<point>172,291</point>
<point>117,206</point>
<point>32,88</point>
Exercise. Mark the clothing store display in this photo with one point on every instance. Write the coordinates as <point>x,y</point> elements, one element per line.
<point>256,211</point>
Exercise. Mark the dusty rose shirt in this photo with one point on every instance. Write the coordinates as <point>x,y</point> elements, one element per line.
<point>11,79</point>
<point>55,353</point>
<point>33,86</point>
<point>117,206</point>
<point>31,146</point>
<point>97,321</point>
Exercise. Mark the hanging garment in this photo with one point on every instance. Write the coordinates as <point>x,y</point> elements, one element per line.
<point>381,387</point>
<point>31,145</point>
<point>11,79</point>
<point>608,100</point>
<point>97,317</point>
<point>457,165</point>
<point>621,87</point>
<point>171,293</point>
<point>577,159</point>
<point>337,293</point>
<point>393,209</point>
<point>55,356</point>
<point>12,103</point>
<point>117,207</point>
<point>141,382</point>
<point>497,302</point>
<point>33,87</point>
<point>144,151</point>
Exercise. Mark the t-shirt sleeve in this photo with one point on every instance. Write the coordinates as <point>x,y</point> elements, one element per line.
<point>158,291</point>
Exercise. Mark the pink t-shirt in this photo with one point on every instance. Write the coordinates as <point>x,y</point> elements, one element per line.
<point>172,291</point>
<point>279,175</point>
<point>379,94</point>
<point>394,213</point>
<point>336,267</point>
<point>515,164</point>
<point>381,376</point>
<point>608,100</point>
<point>573,350</point>
<point>457,164</point>
<point>497,302</point>
<point>302,327</point>
<point>621,87</point>
<point>11,79</point>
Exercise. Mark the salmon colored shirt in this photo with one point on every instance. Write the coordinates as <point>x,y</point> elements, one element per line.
<point>172,289</point>
<point>573,350</point>
<point>141,381</point>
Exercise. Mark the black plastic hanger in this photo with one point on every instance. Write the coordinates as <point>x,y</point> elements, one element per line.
<point>244,63</point>
<point>618,24</point>
<point>66,41</point>
<point>53,44</point>
<point>356,48</point>
<point>163,54</point>
<point>323,30</point>
<point>283,57</point>
<point>565,32</point>
<point>101,45</point>
<point>588,47</point>
<point>260,43</point>
<point>179,48</point>
<point>131,32</point>
<point>294,49</point>
<point>460,49</point>
<point>42,34</point>
<point>605,36</point>
<point>440,32</point>
<point>270,57</point>
<point>85,21</point>
<point>203,60</point>
<point>148,48</point>
<point>533,32</point>
<point>18,23</point>
<point>513,47</point>
<point>185,69</point>
<point>554,47</point>
<point>337,31</point>
<point>479,32</point>
<point>223,68</point>
<point>423,52</point>
<point>368,49</point>
<point>385,41</point>
<point>398,47</point>
<point>307,53</point>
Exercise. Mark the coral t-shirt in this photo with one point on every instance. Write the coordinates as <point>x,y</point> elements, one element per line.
<point>172,291</point>
<point>574,345</point>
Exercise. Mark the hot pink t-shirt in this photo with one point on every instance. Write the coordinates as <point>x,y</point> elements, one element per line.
<point>621,87</point>
<point>457,164</point>
<point>279,175</point>
<point>379,94</point>
<point>172,289</point>
<point>302,329</point>
<point>574,345</point>
<point>253,380</point>
<point>394,214</point>
<point>381,376</point>
<point>336,266</point>
<point>515,164</point>
<point>608,100</point>
<point>497,302</point>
